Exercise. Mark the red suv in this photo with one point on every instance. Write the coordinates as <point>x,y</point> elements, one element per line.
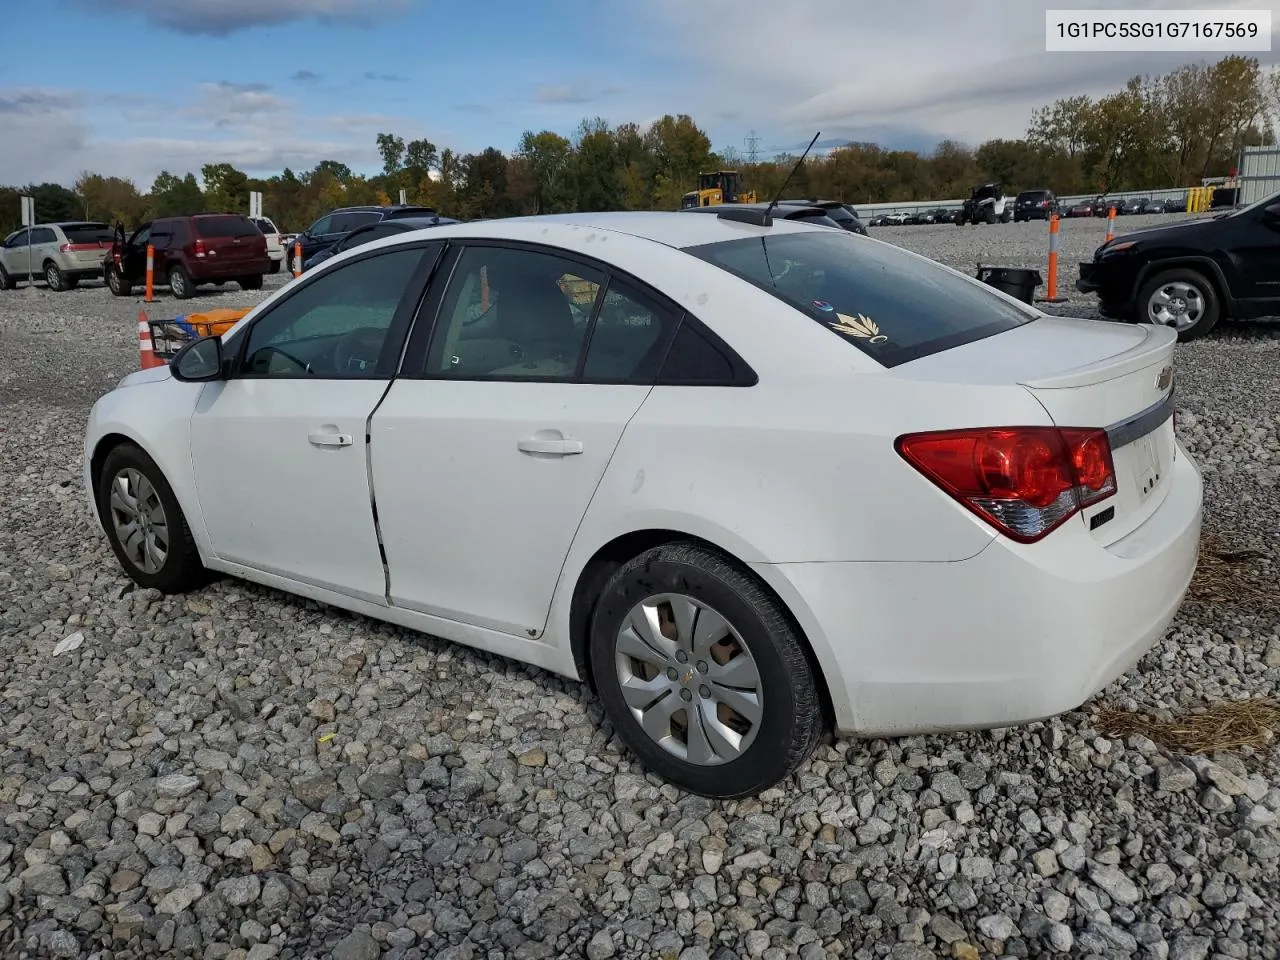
<point>208,248</point>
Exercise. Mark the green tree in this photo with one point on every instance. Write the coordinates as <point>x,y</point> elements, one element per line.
<point>680,152</point>
<point>110,199</point>
<point>548,155</point>
<point>226,189</point>
<point>391,148</point>
<point>174,197</point>
<point>597,183</point>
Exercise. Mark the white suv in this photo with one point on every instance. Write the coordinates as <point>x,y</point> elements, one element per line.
<point>275,241</point>
<point>61,254</point>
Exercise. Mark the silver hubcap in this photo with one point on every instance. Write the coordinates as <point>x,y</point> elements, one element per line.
<point>1179,305</point>
<point>51,275</point>
<point>139,522</point>
<point>177,283</point>
<point>689,679</point>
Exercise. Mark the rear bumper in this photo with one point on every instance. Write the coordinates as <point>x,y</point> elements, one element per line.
<point>207,270</point>
<point>1014,634</point>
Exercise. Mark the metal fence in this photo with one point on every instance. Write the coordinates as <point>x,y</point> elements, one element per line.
<point>1259,173</point>
<point>868,210</point>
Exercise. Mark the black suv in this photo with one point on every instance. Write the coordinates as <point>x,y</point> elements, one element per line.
<point>1192,273</point>
<point>335,225</point>
<point>1034,205</point>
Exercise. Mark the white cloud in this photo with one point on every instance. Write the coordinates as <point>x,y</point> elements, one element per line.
<point>48,136</point>
<point>926,68</point>
<point>224,17</point>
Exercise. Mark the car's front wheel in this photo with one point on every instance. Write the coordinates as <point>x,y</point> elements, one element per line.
<point>144,524</point>
<point>1182,299</point>
<point>703,673</point>
<point>6,281</point>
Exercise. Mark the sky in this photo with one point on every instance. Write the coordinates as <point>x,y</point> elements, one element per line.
<point>131,87</point>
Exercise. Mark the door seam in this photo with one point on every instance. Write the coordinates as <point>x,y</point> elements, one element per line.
<point>373,497</point>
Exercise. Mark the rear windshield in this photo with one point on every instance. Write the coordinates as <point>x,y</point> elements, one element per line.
<point>1034,195</point>
<point>87,232</point>
<point>888,303</point>
<point>226,227</point>
<point>839,214</point>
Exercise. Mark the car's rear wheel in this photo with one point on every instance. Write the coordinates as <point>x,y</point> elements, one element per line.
<point>275,266</point>
<point>1182,299</point>
<point>145,526</point>
<point>54,278</point>
<point>116,281</point>
<point>180,283</point>
<point>703,673</point>
<point>251,283</point>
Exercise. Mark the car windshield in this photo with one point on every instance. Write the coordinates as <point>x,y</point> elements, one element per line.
<point>891,304</point>
<point>1265,201</point>
<point>210,227</point>
<point>87,232</point>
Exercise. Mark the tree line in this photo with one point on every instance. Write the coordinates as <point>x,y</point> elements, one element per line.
<point>1161,131</point>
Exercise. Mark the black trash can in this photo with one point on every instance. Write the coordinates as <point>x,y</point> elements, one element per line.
<point>1014,281</point>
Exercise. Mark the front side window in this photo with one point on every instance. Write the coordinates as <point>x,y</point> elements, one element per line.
<point>889,303</point>
<point>336,325</point>
<point>18,239</point>
<point>513,314</point>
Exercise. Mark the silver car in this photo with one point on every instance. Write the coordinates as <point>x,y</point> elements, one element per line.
<point>59,253</point>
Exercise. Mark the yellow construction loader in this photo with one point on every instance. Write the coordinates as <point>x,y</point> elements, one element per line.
<point>719,187</point>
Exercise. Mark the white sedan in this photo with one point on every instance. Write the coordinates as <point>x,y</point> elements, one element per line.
<point>750,480</point>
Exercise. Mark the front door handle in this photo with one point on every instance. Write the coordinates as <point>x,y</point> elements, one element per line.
<point>559,447</point>
<point>330,439</point>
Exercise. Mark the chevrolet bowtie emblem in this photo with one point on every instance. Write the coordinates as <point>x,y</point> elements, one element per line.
<point>687,677</point>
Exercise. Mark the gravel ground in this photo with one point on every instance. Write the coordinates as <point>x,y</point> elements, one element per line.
<point>240,774</point>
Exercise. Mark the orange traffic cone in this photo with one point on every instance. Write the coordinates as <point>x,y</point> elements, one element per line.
<point>146,352</point>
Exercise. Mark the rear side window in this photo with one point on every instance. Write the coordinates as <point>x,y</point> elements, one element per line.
<point>888,303</point>
<point>211,227</point>
<point>342,222</point>
<point>87,233</point>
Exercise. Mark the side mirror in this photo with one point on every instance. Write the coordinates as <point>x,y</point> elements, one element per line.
<point>198,361</point>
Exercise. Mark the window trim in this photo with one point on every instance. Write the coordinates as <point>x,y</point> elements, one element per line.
<point>398,332</point>
<point>428,321</point>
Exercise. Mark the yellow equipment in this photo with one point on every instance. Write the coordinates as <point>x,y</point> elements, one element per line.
<point>719,187</point>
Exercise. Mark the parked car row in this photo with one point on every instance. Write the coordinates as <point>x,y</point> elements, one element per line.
<point>190,251</point>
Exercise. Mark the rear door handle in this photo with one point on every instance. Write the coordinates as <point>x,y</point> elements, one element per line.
<point>330,439</point>
<point>560,447</point>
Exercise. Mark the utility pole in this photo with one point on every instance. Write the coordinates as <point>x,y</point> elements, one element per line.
<point>753,152</point>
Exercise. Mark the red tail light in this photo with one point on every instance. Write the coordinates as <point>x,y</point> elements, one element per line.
<point>199,248</point>
<point>1024,481</point>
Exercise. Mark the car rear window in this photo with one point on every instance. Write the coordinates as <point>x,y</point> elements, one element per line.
<point>891,304</point>
<point>1034,195</point>
<point>211,227</point>
<point>87,232</point>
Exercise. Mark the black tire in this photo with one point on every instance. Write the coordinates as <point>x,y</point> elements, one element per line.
<point>275,267</point>
<point>180,283</point>
<point>6,281</point>
<point>1212,310</point>
<point>118,284</point>
<point>792,721</point>
<point>54,278</point>
<point>989,215</point>
<point>181,570</point>
<point>251,283</point>
<point>1004,217</point>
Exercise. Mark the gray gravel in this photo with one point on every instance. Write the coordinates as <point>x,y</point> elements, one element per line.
<point>241,774</point>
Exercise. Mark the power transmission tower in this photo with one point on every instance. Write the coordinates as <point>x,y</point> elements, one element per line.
<point>753,152</point>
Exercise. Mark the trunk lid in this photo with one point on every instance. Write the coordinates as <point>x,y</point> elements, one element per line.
<point>1087,373</point>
